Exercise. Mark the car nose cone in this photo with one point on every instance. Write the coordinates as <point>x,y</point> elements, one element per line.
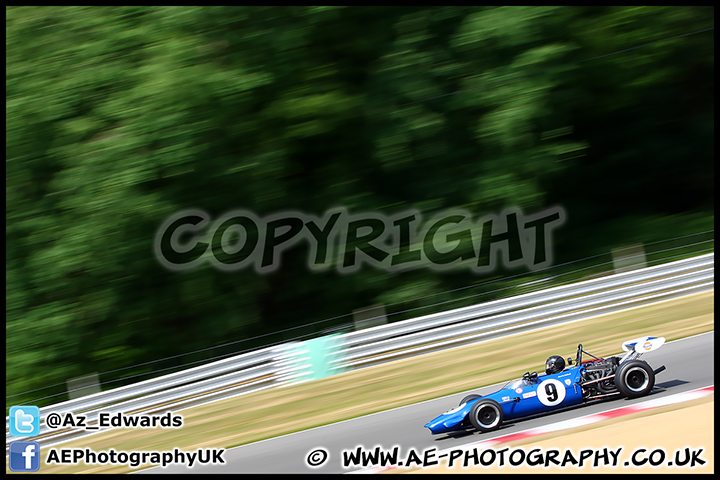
<point>436,427</point>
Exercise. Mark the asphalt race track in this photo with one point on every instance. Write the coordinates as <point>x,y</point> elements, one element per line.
<point>689,362</point>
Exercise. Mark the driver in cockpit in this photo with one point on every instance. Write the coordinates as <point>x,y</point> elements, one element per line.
<point>554,364</point>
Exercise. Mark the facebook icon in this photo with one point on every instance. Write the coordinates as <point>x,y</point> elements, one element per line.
<point>24,456</point>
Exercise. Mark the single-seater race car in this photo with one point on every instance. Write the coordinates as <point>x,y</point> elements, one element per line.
<point>559,387</point>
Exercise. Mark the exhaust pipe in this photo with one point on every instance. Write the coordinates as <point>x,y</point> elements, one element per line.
<point>659,369</point>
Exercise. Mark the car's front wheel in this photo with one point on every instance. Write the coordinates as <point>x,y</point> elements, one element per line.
<point>486,415</point>
<point>469,398</point>
<point>635,378</point>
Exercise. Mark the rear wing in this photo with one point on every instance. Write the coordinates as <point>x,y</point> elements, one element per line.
<point>638,346</point>
<point>643,344</point>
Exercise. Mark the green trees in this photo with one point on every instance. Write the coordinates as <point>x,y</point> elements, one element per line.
<point>118,117</point>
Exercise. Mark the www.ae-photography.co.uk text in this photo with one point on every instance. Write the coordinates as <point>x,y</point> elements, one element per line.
<point>240,239</point>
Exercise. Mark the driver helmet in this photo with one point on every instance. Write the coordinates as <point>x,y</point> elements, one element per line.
<point>554,364</point>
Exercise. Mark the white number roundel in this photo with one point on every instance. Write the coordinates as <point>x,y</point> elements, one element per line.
<point>551,392</point>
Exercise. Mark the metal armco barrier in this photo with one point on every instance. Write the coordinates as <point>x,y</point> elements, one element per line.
<point>521,313</point>
<point>286,364</point>
<point>232,376</point>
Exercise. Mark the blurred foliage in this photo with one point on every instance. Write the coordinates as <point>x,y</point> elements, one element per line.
<point>117,117</point>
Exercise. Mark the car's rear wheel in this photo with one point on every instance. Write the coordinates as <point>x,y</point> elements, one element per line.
<point>469,398</point>
<point>635,379</point>
<point>486,415</point>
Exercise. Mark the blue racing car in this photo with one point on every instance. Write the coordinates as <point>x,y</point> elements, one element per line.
<point>559,387</point>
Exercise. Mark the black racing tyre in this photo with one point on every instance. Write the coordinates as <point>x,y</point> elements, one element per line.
<point>486,415</point>
<point>469,398</point>
<point>635,378</point>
